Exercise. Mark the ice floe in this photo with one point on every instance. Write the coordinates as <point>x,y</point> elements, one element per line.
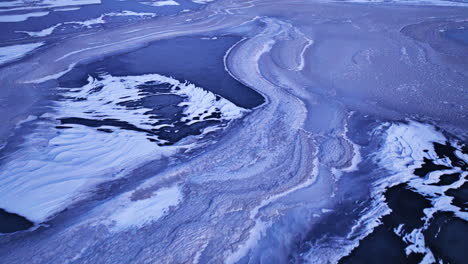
<point>261,225</point>
<point>160,3</point>
<point>407,149</point>
<point>59,164</point>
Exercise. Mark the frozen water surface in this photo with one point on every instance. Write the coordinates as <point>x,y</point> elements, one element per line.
<point>260,131</point>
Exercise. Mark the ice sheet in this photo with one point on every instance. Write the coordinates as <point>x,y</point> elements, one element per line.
<point>54,168</point>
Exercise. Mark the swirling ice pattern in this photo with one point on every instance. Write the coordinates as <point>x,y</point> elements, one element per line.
<point>218,206</point>
<point>277,158</point>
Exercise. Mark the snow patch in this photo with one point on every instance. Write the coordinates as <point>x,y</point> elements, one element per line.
<point>410,2</point>
<point>15,52</point>
<point>161,3</point>
<point>404,150</point>
<point>202,2</point>
<point>21,17</point>
<point>56,167</point>
<point>21,5</point>
<point>140,212</point>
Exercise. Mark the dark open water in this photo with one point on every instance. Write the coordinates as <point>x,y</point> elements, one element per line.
<point>197,60</point>
<point>446,235</point>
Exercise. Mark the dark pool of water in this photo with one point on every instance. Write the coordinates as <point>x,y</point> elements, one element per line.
<point>382,246</point>
<point>199,61</point>
<point>10,223</point>
<point>446,233</point>
<point>446,237</point>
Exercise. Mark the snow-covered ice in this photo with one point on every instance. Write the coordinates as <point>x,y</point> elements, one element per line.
<point>128,213</point>
<point>21,17</point>
<point>161,3</point>
<point>87,23</point>
<point>15,52</point>
<point>55,168</point>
